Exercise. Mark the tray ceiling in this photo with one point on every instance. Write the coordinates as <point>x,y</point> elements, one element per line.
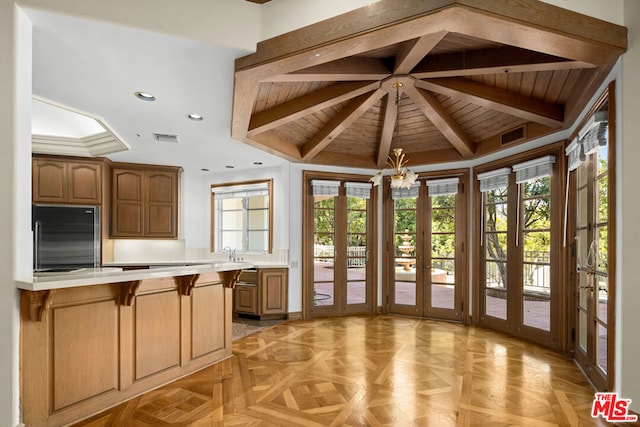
<point>444,80</point>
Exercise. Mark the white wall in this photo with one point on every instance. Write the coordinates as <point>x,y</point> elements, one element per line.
<point>281,16</point>
<point>15,194</point>
<point>230,23</point>
<point>627,179</point>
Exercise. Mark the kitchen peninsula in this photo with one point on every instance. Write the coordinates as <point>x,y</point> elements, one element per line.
<point>94,338</point>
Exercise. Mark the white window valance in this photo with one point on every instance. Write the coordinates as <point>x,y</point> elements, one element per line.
<point>494,179</point>
<point>593,135</point>
<point>575,154</point>
<point>595,138</point>
<point>440,187</point>
<point>536,168</point>
<point>406,193</point>
<point>237,191</point>
<point>325,188</point>
<point>358,189</point>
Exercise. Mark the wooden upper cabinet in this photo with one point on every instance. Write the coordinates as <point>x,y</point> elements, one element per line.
<point>84,183</point>
<point>145,202</point>
<point>127,211</point>
<point>67,181</point>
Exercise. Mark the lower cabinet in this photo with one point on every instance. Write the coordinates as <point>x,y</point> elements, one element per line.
<point>262,293</point>
<point>88,348</point>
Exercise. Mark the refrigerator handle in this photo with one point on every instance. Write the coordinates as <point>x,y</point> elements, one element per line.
<point>36,251</point>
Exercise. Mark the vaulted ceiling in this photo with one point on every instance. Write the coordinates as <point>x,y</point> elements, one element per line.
<point>444,80</point>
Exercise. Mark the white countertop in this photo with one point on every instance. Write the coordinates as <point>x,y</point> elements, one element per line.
<point>254,264</point>
<point>98,276</point>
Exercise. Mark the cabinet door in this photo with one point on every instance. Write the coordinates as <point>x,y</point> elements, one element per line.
<point>84,183</point>
<point>161,204</point>
<point>49,181</point>
<point>127,213</point>
<point>273,291</point>
<point>245,299</point>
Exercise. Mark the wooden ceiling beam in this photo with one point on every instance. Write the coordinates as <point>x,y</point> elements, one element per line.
<point>307,104</point>
<point>530,109</point>
<point>436,113</point>
<point>356,108</point>
<point>386,134</point>
<point>492,61</point>
<point>356,68</point>
<point>413,51</point>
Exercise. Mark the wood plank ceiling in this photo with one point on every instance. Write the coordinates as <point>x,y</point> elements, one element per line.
<point>445,80</point>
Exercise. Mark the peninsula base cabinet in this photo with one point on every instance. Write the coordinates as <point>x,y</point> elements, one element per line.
<point>262,293</point>
<point>88,348</point>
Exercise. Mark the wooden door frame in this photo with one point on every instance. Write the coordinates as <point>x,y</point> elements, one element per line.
<point>307,237</point>
<point>608,97</point>
<point>559,307</point>
<point>388,272</point>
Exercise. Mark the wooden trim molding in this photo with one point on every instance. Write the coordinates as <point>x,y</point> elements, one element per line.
<point>230,278</point>
<point>186,283</point>
<point>129,290</point>
<point>39,303</point>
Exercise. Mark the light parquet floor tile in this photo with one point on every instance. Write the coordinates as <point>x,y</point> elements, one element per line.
<point>370,371</point>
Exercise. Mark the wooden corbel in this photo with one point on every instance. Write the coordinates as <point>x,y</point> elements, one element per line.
<point>186,283</point>
<point>230,278</point>
<point>39,304</point>
<point>129,290</point>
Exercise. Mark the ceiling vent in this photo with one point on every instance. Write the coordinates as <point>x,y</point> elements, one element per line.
<point>514,135</point>
<point>161,137</point>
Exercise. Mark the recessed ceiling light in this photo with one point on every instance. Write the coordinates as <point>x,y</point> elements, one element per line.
<point>229,167</point>
<point>204,170</point>
<point>257,163</point>
<point>145,96</point>
<point>195,117</point>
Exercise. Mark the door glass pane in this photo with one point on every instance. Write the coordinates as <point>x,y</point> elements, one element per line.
<point>443,246</point>
<point>405,251</point>
<point>601,347</point>
<point>356,250</point>
<point>324,251</point>
<point>602,300</point>
<point>495,243</point>
<point>536,253</point>
<point>582,330</point>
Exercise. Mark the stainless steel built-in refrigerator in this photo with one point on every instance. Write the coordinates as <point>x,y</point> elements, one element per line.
<point>65,237</point>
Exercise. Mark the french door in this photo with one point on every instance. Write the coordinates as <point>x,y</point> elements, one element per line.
<point>593,250</point>
<point>339,264</point>
<point>520,225</point>
<point>425,256</point>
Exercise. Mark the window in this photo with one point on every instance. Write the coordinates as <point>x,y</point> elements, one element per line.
<point>241,217</point>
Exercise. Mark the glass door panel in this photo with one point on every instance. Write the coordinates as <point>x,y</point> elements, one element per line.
<point>357,254</point>
<point>536,261</point>
<point>324,251</point>
<point>404,290</point>
<point>495,243</point>
<point>443,251</point>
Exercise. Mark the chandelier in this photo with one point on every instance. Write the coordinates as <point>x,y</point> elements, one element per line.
<point>401,176</point>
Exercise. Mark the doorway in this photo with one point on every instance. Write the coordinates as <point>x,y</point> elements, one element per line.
<point>593,245</point>
<point>339,245</point>
<point>519,222</point>
<point>425,260</point>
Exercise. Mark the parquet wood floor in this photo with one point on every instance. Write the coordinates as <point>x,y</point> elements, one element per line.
<point>370,371</point>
